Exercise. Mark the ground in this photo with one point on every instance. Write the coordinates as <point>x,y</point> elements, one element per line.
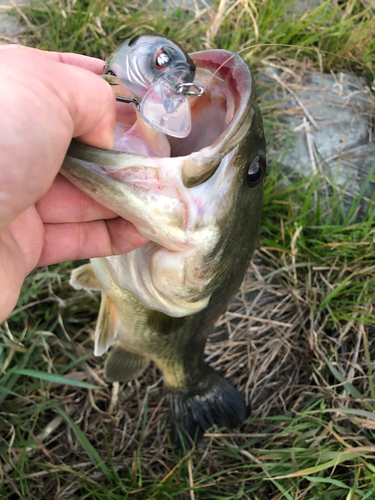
<point>298,340</point>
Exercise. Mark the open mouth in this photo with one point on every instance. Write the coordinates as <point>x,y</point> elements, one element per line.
<point>225,87</point>
<point>167,186</point>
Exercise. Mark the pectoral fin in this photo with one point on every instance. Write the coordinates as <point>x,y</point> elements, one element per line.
<point>123,365</point>
<point>84,278</point>
<point>105,332</point>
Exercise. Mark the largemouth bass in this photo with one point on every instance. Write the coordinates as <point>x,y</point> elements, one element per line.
<point>198,200</point>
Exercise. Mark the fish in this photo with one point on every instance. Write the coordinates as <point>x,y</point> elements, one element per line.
<point>198,200</point>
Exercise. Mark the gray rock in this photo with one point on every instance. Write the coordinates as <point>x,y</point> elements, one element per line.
<point>304,5</point>
<point>332,120</point>
<point>188,4</point>
<point>10,26</point>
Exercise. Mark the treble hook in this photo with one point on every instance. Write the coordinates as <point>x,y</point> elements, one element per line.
<point>184,88</point>
<point>128,100</point>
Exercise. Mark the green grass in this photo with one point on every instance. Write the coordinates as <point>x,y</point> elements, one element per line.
<point>313,440</point>
<point>335,36</point>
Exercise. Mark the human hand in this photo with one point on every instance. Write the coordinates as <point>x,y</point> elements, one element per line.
<point>46,99</point>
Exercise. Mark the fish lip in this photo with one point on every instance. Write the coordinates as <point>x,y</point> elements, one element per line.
<point>193,172</point>
<point>224,59</point>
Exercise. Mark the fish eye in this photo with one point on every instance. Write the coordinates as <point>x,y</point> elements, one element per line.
<point>255,172</point>
<point>162,59</point>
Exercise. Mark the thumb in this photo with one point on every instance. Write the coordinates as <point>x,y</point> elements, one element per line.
<point>90,101</point>
<point>44,104</point>
<point>91,104</point>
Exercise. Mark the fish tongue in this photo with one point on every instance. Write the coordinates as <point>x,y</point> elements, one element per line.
<point>140,138</point>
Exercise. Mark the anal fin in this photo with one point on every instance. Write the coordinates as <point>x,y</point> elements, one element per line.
<point>123,365</point>
<point>84,278</point>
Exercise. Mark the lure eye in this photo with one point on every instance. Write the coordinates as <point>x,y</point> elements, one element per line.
<point>162,59</point>
<point>255,172</point>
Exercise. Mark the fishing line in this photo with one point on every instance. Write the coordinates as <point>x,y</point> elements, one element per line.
<point>301,47</point>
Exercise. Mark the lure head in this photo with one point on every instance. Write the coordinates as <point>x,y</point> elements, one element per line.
<point>143,59</point>
<point>156,70</point>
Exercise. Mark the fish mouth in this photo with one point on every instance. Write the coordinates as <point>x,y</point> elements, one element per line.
<point>219,117</point>
<point>152,179</point>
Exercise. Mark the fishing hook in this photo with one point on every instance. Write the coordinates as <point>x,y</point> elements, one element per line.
<point>128,100</point>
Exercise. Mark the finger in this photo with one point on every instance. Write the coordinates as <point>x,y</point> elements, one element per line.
<point>80,99</point>
<point>85,240</point>
<point>97,136</point>
<point>90,63</point>
<point>64,202</point>
<point>91,104</point>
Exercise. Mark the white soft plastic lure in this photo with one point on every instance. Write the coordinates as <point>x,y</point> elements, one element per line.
<point>160,75</point>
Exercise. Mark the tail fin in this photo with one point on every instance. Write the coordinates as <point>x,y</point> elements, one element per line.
<point>215,401</point>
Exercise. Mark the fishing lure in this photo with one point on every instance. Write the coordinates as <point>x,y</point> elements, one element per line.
<point>160,75</point>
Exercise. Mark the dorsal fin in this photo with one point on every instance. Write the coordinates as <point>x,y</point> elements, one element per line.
<point>84,278</point>
<point>105,331</point>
